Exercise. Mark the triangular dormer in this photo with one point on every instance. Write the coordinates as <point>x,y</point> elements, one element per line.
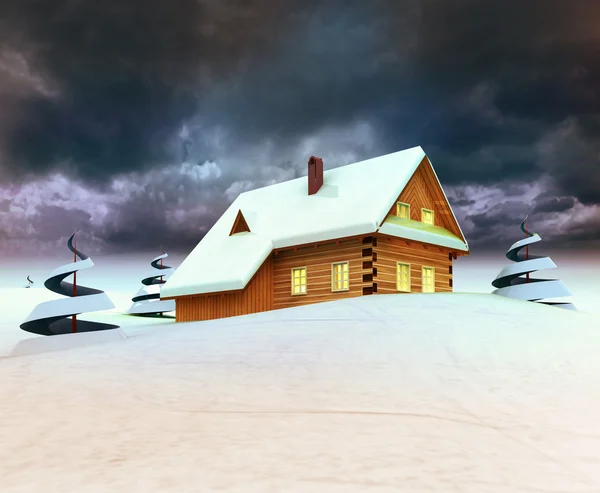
<point>423,194</point>
<point>239,225</point>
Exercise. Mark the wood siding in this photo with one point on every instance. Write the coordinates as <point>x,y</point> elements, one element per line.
<point>390,250</point>
<point>371,265</point>
<point>256,297</point>
<point>423,191</point>
<point>317,259</point>
<point>371,262</point>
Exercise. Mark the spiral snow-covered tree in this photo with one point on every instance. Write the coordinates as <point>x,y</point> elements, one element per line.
<point>514,280</point>
<point>147,300</point>
<point>51,317</point>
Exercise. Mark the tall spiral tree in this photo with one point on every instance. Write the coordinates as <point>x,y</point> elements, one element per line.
<point>147,300</point>
<point>510,283</point>
<point>51,317</point>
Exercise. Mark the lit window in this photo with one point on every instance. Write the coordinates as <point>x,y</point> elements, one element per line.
<point>402,210</point>
<point>428,280</point>
<point>403,277</point>
<point>299,280</point>
<point>339,276</point>
<point>427,216</point>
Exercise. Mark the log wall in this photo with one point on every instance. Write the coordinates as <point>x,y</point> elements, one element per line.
<point>390,250</point>
<point>256,297</point>
<point>318,260</point>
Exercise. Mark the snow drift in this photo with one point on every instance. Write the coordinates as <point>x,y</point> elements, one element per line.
<point>386,393</point>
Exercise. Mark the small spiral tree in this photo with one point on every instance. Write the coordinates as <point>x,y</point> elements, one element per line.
<point>147,300</point>
<point>51,317</point>
<point>29,281</point>
<point>511,284</point>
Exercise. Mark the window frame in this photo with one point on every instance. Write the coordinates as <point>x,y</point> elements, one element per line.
<point>432,223</point>
<point>398,207</point>
<point>333,280</point>
<point>305,281</point>
<point>423,278</point>
<point>409,277</point>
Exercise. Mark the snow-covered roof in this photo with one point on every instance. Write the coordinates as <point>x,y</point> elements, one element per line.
<point>352,201</point>
<point>418,231</point>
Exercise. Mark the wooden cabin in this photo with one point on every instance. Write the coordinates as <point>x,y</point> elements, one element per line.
<point>380,226</point>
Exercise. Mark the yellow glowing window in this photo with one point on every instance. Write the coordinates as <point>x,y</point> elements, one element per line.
<point>427,216</point>
<point>403,277</point>
<point>299,280</point>
<point>340,276</point>
<point>428,280</point>
<point>402,210</point>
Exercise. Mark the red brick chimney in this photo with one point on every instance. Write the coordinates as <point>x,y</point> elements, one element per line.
<point>315,174</point>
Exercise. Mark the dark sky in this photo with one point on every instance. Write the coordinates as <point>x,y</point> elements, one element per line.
<point>139,121</point>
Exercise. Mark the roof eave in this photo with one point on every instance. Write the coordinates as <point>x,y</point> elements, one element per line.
<point>364,228</point>
<point>449,205</point>
<point>423,236</point>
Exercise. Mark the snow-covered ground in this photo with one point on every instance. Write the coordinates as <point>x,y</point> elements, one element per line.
<point>387,393</point>
<point>17,303</point>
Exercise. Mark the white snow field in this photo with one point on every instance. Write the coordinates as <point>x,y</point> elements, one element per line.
<point>17,303</point>
<point>469,393</point>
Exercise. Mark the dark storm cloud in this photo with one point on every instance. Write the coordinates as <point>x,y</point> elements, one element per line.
<point>333,66</point>
<point>485,164</point>
<point>128,74</point>
<point>166,207</point>
<point>466,41</point>
<point>498,76</point>
<point>458,198</point>
<point>446,75</point>
<point>497,93</point>
<point>555,204</point>
<point>510,215</point>
<point>584,234</point>
<point>571,154</point>
<point>562,222</point>
<point>53,222</point>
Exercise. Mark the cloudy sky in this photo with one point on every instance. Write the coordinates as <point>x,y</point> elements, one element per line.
<point>140,121</point>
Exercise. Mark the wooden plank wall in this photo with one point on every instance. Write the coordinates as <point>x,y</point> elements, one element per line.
<point>423,191</point>
<point>390,250</point>
<point>372,270</point>
<point>318,259</point>
<point>256,297</point>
